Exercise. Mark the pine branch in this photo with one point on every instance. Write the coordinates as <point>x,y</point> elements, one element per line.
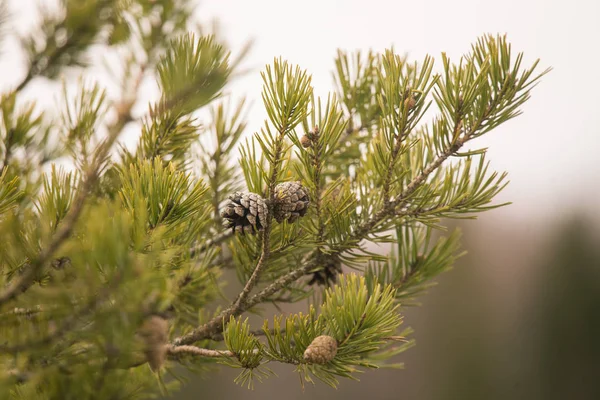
<point>27,278</point>
<point>239,305</point>
<point>79,32</point>
<point>309,262</point>
<point>25,80</point>
<point>317,162</point>
<point>390,209</point>
<point>69,323</point>
<point>215,325</point>
<point>127,102</point>
<point>178,351</point>
<point>64,231</point>
<point>152,222</point>
<point>7,151</point>
<point>286,94</point>
<point>218,337</point>
<point>214,242</point>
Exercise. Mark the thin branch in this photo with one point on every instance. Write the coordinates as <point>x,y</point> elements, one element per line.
<point>218,337</point>
<point>18,376</point>
<point>23,312</point>
<point>398,140</point>
<point>216,241</point>
<point>318,165</point>
<point>126,104</point>
<point>28,277</point>
<point>41,63</point>
<point>214,180</point>
<point>177,351</point>
<point>240,304</point>
<point>354,329</point>
<point>64,231</point>
<point>390,208</point>
<point>309,261</point>
<point>69,323</point>
<point>8,143</point>
<point>25,80</point>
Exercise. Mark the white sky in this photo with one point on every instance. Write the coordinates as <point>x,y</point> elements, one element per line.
<point>550,152</point>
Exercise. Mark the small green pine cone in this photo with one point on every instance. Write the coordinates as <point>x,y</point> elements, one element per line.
<point>291,201</point>
<point>321,350</point>
<point>245,213</point>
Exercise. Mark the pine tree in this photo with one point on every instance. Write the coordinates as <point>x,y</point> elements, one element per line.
<point>111,261</point>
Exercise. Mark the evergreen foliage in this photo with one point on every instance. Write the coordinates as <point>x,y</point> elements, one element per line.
<point>112,260</point>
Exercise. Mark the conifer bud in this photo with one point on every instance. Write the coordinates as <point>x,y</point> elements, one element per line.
<point>245,213</point>
<point>321,350</point>
<point>155,334</point>
<point>291,201</point>
<point>305,141</point>
<point>309,138</point>
<point>410,102</point>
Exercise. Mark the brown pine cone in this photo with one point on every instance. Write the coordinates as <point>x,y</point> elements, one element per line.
<point>291,201</point>
<point>155,334</point>
<point>245,213</point>
<point>321,350</point>
<point>305,141</point>
<point>326,274</point>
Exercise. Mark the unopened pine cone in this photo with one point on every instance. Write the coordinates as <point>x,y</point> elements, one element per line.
<point>321,350</point>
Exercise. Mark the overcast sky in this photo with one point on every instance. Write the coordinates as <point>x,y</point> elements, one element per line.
<point>550,152</point>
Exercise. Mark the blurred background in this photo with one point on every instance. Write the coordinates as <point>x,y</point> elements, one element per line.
<point>519,316</point>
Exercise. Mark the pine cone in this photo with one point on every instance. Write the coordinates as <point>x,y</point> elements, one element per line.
<point>327,273</point>
<point>291,201</point>
<point>321,350</point>
<point>155,334</point>
<point>307,139</point>
<point>245,213</point>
